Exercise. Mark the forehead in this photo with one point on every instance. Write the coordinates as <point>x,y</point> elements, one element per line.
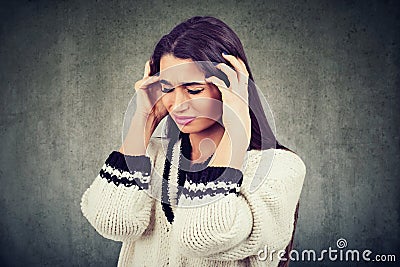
<point>176,70</point>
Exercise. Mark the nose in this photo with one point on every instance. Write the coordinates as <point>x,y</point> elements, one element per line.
<point>180,103</point>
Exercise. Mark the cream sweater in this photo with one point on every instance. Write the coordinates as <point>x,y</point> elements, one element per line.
<point>245,215</point>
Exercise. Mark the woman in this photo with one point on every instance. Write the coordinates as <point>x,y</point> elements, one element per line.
<point>202,212</point>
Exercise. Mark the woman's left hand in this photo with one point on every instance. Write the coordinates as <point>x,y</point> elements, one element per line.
<point>236,116</point>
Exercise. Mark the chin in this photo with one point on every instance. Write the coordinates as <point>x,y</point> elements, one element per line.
<point>187,129</point>
<point>192,130</point>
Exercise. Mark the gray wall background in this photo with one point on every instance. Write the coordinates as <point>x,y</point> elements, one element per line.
<point>329,69</point>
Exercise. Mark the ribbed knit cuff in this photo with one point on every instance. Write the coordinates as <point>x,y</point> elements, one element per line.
<point>127,170</point>
<point>212,181</point>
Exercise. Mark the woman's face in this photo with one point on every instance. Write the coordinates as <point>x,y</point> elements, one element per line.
<point>193,104</point>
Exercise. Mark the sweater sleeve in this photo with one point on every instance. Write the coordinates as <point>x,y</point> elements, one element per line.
<point>116,204</point>
<point>238,223</point>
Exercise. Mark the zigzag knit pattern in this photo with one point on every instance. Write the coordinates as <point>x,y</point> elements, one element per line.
<point>212,181</point>
<point>127,170</point>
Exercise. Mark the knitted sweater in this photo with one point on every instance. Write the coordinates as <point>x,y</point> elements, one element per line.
<point>218,222</point>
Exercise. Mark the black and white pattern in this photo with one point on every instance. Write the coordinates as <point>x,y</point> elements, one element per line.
<point>212,181</point>
<point>127,170</point>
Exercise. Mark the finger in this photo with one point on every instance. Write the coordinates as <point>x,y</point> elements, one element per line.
<point>222,87</point>
<point>240,87</point>
<point>239,66</point>
<point>237,63</point>
<point>243,66</point>
<point>230,73</point>
<point>146,82</point>
<point>146,69</point>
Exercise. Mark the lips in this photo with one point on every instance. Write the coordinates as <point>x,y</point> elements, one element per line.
<point>183,120</point>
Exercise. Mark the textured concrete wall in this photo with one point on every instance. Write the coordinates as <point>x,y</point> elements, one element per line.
<point>329,69</point>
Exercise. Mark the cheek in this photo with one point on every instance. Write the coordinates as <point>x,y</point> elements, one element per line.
<point>210,108</point>
<point>214,106</point>
<point>166,101</point>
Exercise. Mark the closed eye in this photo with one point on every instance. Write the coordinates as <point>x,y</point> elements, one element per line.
<point>194,92</point>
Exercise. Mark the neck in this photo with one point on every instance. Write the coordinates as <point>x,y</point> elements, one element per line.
<point>204,143</point>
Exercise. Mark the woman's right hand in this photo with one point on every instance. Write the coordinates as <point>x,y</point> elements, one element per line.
<point>149,112</point>
<point>148,100</point>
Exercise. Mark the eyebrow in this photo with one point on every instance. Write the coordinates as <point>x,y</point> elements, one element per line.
<point>183,84</point>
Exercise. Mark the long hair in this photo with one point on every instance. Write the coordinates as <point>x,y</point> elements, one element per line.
<point>204,38</point>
